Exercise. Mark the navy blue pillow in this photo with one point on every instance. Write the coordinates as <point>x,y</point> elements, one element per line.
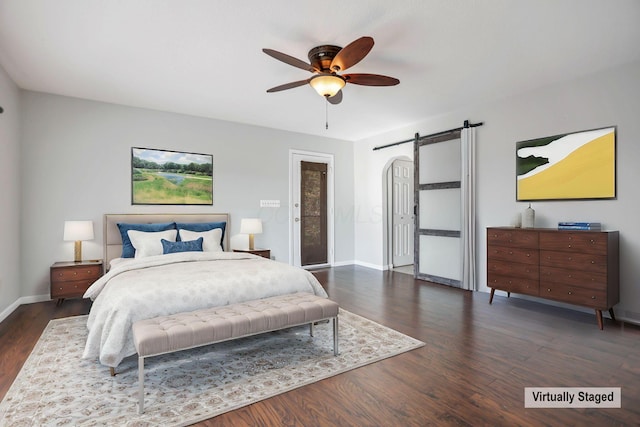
<point>185,246</point>
<point>128,251</point>
<point>203,226</point>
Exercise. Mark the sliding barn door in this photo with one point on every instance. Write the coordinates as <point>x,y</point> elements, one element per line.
<point>438,249</point>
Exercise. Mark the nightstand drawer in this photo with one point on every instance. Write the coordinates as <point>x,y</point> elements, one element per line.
<point>76,273</point>
<point>70,289</point>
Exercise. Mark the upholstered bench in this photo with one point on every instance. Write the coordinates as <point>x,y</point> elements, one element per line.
<point>182,331</point>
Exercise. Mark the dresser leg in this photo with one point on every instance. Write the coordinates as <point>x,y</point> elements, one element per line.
<point>60,301</point>
<point>613,316</point>
<point>599,317</point>
<point>493,291</point>
<point>112,371</point>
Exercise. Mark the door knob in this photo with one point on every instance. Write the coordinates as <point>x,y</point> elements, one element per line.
<point>297,219</point>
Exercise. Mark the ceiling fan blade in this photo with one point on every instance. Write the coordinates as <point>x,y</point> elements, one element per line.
<point>287,59</point>
<point>336,99</point>
<point>371,79</point>
<point>352,53</point>
<point>288,86</point>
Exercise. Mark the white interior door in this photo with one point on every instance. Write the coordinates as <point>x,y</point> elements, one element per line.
<point>402,212</point>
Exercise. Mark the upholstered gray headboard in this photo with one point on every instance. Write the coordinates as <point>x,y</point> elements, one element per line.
<point>113,240</point>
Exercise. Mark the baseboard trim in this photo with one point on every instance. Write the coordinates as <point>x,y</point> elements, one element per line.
<point>23,300</point>
<point>369,265</point>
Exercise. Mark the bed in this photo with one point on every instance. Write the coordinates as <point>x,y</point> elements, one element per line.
<point>151,283</point>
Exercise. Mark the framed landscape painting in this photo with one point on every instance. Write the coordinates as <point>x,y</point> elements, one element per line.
<point>162,177</point>
<point>579,165</point>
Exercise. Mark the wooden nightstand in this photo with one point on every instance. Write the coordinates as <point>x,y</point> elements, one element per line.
<point>265,253</point>
<point>71,279</point>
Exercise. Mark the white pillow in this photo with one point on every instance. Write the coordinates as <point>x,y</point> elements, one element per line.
<point>147,243</point>
<point>210,239</point>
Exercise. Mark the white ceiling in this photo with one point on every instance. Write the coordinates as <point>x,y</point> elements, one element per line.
<point>204,57</point>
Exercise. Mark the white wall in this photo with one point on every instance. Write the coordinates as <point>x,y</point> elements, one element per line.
<point>75,164</point>
<point>608,98</point>
<point>9,194</point>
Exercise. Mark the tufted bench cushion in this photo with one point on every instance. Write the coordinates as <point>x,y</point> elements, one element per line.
<point>182,331</point>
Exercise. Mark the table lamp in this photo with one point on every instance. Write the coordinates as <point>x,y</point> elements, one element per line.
<point>251,226</point>
<point>77,231</point>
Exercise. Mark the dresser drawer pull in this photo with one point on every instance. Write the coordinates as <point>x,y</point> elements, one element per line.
<point>592,241</point>
<point>593,297</point>
<point>548,290</point>
<point>570,276</point>
<point>75,273</point>
<point>593,262</point>
<point>510,252</point>
<point>569,245</point>
<point>569,293</point>
<point>528,255</point>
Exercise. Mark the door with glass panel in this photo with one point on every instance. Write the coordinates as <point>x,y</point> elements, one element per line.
<point>438,255</point>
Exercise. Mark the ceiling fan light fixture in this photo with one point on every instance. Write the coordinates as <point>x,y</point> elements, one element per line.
<point>327,85</point>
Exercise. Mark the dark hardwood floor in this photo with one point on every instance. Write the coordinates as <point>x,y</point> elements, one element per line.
<point>477,360</point>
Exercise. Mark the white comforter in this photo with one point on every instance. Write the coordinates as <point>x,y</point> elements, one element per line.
<point>166,284</point>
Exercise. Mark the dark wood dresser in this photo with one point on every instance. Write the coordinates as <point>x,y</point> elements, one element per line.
<point>72,279</point>
<point>571,266</point>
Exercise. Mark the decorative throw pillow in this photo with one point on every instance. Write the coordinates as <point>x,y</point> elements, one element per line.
<point>149,243</point>
<point>211,239</point>
<point>204,226</point>
<point>128,250</point>
<point>182,246</point>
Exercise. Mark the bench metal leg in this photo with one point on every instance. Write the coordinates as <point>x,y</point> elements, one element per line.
<point>335,336</point>
<point>311,328</point>
<point>140,384</point>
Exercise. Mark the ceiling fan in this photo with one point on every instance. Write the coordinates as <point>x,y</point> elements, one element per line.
<point>326,62</point>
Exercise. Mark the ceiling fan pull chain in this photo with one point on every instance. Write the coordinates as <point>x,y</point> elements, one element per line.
<point>326,113</point>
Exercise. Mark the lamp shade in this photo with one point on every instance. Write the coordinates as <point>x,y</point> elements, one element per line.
<point>327,85</point>
<point>251,226</point>
<point>78,230</point>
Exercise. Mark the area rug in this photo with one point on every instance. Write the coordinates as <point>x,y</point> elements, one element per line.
<point>57,387</point>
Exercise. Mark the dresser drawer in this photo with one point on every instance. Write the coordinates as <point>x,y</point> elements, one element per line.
<point>512,238</point>
<point>581,278</point>
<point>521,255</point>
<point>76,273</point>
<point>574,261</point>
<point>582,241</point>
<point>575,295</point>
<point>507,268</point>
<point>512,284</point>
<point>70,289</point>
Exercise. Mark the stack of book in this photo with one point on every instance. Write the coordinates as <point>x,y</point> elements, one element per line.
<point>579,226</point>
